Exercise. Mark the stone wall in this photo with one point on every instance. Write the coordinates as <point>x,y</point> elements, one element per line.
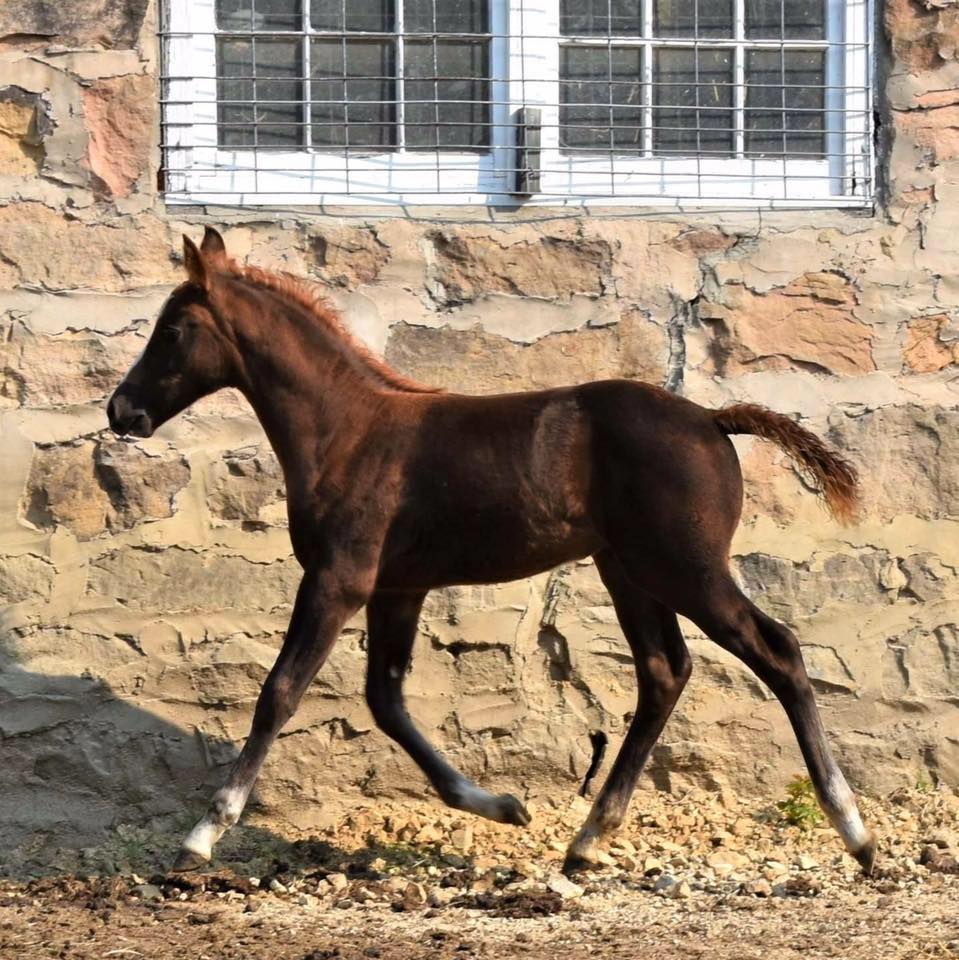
<point>145,587</point>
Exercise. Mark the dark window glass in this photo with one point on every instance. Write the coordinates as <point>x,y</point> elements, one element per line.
<point>445,16</point>
<point>694,18</point>
<point>692,100</point>
<point>785,102</point>
<point>786,19</point>
<point>259,92</point>
<point>343,15</point>
<point>447,70</point>
<point>592,18</point>
<point>601,99</point>
<point>352,92</point>
<point>265,15</point>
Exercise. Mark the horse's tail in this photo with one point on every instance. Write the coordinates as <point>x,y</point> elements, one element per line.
<point>834,478</point>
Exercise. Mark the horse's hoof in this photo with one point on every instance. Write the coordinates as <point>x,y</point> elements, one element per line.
<point>866,855</point>
<point>188,860</point>
<point>512,811</point>
<point>577,863</point>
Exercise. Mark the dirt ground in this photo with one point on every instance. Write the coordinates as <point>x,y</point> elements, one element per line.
<point>692,875</point>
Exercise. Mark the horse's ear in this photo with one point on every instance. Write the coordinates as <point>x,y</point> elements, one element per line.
<point>196,266</point>
<point>213,246</point>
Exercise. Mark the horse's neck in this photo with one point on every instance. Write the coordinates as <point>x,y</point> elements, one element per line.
<point>306,387</point>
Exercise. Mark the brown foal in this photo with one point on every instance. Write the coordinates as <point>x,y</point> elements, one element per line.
<point>395,489</point>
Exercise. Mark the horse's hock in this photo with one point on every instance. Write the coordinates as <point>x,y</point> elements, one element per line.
<point>145,588</point>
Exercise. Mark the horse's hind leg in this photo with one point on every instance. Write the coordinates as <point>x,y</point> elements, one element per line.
<point>772,652</point>
<point>662,668</point>
<point>391,620</point>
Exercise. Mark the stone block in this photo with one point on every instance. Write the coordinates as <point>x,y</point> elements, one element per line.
<point>23,123</point>
<point>809,324</point>
<point>478,362</point>
<point>111,24</point>
<point>468,264</point>
<point>120,114</point>
<point>94,487</point>
<point>247,486</point>
<point>177,580</point>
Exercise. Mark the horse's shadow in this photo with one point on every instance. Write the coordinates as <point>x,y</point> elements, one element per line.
<point>78,774</point>
<point>77,791</point>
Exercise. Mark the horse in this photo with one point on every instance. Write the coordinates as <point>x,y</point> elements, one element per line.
<point>395,488</point>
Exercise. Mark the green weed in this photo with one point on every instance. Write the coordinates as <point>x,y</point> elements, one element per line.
<point>800,808</point>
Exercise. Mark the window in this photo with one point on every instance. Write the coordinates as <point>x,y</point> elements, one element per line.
<point>725,102</point>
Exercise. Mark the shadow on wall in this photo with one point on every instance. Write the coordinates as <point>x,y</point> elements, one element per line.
<point>79,762</point>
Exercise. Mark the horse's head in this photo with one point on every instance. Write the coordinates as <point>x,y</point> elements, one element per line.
<point>189,354</point>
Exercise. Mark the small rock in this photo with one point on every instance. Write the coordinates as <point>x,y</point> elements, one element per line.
<point>758,888</point>
<point>414,894</point>
<point>462,839</point>
<point>429,834</point>
<point>337,882</point>
<point>652,866</point>
<point>726,861</point>
<point>743,827</point>
<point>277,887</point>
<point>148,891</point>
<point>679,891</point>
<point>664,883</point>
<point>942,839</point>
<point>806,862</point>
<point>938,861</point>
<point>564,887</point>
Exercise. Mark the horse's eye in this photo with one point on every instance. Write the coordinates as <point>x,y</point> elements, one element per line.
<point>171,334</point>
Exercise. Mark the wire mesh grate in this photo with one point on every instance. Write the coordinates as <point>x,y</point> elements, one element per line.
<point>739,102</point>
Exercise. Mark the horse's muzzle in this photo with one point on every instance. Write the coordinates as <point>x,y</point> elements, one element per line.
<point>126,420</point>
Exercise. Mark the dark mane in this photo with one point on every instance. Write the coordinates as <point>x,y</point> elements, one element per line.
<point>310,297</point>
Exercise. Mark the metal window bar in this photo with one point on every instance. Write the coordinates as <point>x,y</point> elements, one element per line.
<point>821,92</point>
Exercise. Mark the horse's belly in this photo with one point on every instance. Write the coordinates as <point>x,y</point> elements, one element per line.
<point>484,553</point>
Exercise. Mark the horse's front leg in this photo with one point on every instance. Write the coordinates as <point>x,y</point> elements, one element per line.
<point>324,602</point>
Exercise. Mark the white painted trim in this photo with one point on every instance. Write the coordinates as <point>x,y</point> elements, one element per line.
<point>526,72</point>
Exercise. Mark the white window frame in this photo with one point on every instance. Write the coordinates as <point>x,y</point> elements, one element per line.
<point>524,62</point>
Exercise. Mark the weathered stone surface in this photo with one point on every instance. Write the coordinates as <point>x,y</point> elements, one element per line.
<point>62,370</point>
<point>21,137</point>
<point>923,38</point>
<point>120,115</point>
<point>24,578</point>
<point>176,580</point>
<point>94,487</point>
<point>140,486</point>
<point>63,489</point>
<point>468,264</point>
<point>476,361</point>
<point>102,23</point>
<point>809,324</point>
<point>349,257</point>
<point>934,128</point>
<point>105,256</point>
<point>929,346</point>
<point>247,485</point>
<point>908,458</point>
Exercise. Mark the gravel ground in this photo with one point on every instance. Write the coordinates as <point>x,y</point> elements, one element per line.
<point>694,874</point>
